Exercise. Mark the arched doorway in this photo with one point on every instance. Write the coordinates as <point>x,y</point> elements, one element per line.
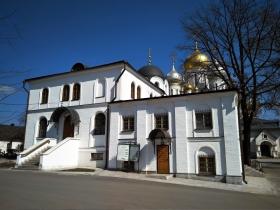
<point>68,128</point>
<point>266,149</point>
<point>163,137</point>
<point>65,119</point>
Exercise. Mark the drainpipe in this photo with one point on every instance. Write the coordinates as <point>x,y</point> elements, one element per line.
<point>107,136</point>
<point>26,108</point>
<point>241,143</point>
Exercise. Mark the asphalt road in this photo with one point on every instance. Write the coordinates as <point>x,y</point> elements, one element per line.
<point>37,190</point>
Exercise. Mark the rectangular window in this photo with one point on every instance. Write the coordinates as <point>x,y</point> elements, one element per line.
<point>128,123</point>
<point>97,156</point>
<point>203,120</point>
<point>161,121</point>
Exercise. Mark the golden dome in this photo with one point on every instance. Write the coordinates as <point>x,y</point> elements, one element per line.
<point>188,86</point>
<point>196,60</point>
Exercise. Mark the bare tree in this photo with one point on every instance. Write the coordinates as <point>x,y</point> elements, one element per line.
<point>242,37</point>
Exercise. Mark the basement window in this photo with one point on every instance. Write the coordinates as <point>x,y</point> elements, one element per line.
<point>97,156</point>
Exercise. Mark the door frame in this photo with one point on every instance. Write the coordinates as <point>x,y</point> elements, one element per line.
<point>167,155</point>
<point>63,131</point>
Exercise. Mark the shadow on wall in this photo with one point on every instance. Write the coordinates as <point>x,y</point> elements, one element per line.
<point>147,155</point>
<point>52,131</point>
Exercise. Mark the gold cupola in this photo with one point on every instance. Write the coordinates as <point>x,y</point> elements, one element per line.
<point>196,60</point>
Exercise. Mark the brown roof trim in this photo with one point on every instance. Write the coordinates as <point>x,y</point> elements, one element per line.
<point>174,96</point>
<point>77,72</point>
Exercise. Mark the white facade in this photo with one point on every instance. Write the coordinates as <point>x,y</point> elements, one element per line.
<point>76,119</point>
<point>187,141</point>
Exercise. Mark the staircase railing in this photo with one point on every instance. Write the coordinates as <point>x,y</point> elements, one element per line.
<point>34,150</point>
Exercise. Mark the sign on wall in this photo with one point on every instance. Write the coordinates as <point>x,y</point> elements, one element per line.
<point>134,152</point>
<point>123,152</point>
<point>128,152</point>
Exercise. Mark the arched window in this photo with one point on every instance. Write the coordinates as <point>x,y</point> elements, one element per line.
<point>138,92</point>
<point>132,89</point>
<point>99,122</point>
<point>207,165</point>
<point>45,96</point>
<point>65,93</point>
<point>76,91</point>
<point>156,84</point>
<point>43,124</point>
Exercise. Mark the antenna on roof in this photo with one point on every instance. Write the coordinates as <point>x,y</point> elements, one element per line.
<point>149,57</point>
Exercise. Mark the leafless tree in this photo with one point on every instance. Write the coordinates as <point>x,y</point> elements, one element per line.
<point>242,37</point>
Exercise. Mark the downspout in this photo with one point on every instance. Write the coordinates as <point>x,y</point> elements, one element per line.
<point>107,137</point>
<point>26,108</point>
<point>241,143</point>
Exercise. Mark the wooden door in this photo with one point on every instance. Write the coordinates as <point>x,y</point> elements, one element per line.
<point>163,159</point>
<point>68,129</point>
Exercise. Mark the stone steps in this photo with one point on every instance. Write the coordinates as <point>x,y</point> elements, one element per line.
<point>33,164</point>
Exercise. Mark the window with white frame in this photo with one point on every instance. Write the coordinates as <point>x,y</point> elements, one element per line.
<point>161,121</point>
<point>45,96</point>
<point>43,124</point>
<point>203,120</point>
<point>99,121</point>
<point>128,123</point>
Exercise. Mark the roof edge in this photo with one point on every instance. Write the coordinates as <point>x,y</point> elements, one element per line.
<point>174,96</point>
<point>75,72</point>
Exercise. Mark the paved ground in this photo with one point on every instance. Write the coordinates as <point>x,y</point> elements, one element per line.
<point>37,190</point>
<point>258,185</point>
<point>272,173</point>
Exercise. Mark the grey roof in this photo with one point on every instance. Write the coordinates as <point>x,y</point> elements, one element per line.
<point>150,71</point>
<point>12,133</point>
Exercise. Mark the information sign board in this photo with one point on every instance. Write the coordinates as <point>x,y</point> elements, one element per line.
<point>123,152</point>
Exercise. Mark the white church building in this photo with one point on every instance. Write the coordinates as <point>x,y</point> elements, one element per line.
<point>116,117</point>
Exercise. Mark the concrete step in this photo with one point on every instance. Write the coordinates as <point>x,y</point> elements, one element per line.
<point>160,176</point>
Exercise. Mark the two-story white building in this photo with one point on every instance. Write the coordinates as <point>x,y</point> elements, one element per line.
<point>113,116</point>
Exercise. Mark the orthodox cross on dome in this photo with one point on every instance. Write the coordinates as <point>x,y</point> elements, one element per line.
<point>149,57</point>
<point>196,45</point>
<point>173,57</point>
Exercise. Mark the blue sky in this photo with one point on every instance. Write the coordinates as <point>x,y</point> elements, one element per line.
<point>48,37</point>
